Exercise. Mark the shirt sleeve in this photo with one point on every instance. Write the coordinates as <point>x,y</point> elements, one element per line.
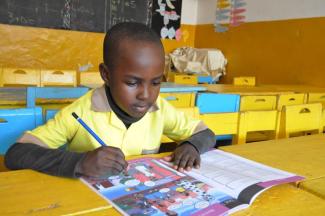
<point>177,125</point>
<point>202,141</point>
<point>59,130</point>
<point>51,161</point>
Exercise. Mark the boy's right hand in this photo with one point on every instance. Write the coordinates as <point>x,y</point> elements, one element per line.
<point>103,162</point>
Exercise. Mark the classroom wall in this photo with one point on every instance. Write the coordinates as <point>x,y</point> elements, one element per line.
<point>59,49</point>
<point>281,41</point>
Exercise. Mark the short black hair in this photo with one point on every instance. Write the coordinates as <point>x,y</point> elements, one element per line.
<point>122,31</point>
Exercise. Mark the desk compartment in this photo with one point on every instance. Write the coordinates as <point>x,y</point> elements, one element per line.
<point>179,99</point>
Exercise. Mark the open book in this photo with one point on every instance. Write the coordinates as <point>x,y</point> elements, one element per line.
<point>225,183</point>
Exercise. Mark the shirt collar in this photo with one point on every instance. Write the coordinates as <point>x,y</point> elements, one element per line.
<point>99,102</point>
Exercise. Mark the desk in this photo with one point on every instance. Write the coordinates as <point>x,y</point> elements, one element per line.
<point>315,186</point>
<point>12,97</point>
<point>29,192</point>
<point>303,155</point>
<point>2,165</point>
<point>296,88</point>
<point>285,200</point>
<point>246,90</point>
<point>16,97</point>
<point>264,89</point>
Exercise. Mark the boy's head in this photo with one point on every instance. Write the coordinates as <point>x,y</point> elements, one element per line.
<point>133,66</point>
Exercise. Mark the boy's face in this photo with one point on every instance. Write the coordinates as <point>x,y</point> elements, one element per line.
<point>135,81</point>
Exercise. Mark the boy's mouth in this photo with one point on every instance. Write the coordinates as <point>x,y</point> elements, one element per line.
<point>141,108</point>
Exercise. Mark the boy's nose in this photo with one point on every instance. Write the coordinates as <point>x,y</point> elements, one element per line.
<point>144,93</point>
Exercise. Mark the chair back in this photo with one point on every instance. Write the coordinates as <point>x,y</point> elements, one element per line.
<point>290,99</point>
<point>255,121</point>
<point>302,118</point>
<point>257,102</point>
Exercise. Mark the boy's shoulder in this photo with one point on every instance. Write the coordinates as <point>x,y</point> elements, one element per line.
<point>162,103</point>
<point>163,107</point>
<point>84,102</point>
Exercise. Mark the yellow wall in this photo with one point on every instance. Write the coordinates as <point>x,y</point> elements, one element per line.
<point>276,52</point>
<point>48,48</point>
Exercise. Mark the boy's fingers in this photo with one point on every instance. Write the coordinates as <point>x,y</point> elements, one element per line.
<point>197,163</point>
<point>190,163</point>
<point>182,162</point>
<point>177,159</point>
<point>112,165</point>
<point>115,155</point>
<point>168,158</point>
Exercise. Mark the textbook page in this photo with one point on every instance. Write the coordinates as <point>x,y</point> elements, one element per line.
<point>236,176</point>
<point>152,188</point>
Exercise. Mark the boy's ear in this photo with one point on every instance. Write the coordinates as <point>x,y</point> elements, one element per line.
<point>104,73</point>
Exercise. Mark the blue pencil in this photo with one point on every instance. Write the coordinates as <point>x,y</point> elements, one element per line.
<point>88,129</point>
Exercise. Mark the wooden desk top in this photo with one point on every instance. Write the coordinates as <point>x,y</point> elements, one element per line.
<point>29,192</point>
<point>285,200</point>
<point>13,96</point>
<point>303,155</point>
<point>263,89</point>
<point>246,90</point>
<point>314,186</point>
<point>297,88</point>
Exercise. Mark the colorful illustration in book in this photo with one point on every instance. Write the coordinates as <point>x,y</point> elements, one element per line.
<point>225,183</point>
<point>184,196</point>
<point>152,188</point>
<point>141,175</point>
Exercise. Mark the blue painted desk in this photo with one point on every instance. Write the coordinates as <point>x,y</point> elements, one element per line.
<point>172,87</point>
<point>13,123</point>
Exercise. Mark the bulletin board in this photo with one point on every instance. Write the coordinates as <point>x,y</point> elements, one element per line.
<point>166,18</point>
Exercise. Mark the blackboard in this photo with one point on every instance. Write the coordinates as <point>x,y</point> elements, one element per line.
<point>79,15</point>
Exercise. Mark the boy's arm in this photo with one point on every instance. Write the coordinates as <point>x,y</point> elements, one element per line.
<point>187,154</point>
<point>184,129</point>
<point>202,141</point>
<point>103,161</point>
<point>193,135</point>
<point>51,161</point>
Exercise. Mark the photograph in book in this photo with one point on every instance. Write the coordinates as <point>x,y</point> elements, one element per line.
<point>151,187</point>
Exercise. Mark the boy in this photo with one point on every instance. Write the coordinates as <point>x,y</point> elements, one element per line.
<point>126,113</point>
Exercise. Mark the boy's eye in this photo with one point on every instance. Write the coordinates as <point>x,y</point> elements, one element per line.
<point>156,83</point>
<point>131,83</point>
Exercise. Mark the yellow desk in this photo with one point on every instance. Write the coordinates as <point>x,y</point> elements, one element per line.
<point>303,155</point>
<point>315,186</point>
<point>12,97</point>
<point>285,200</point>
<point>2,165</point>
<point>246,90</point>
<point>296,88</point>
<point>27,192</point>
